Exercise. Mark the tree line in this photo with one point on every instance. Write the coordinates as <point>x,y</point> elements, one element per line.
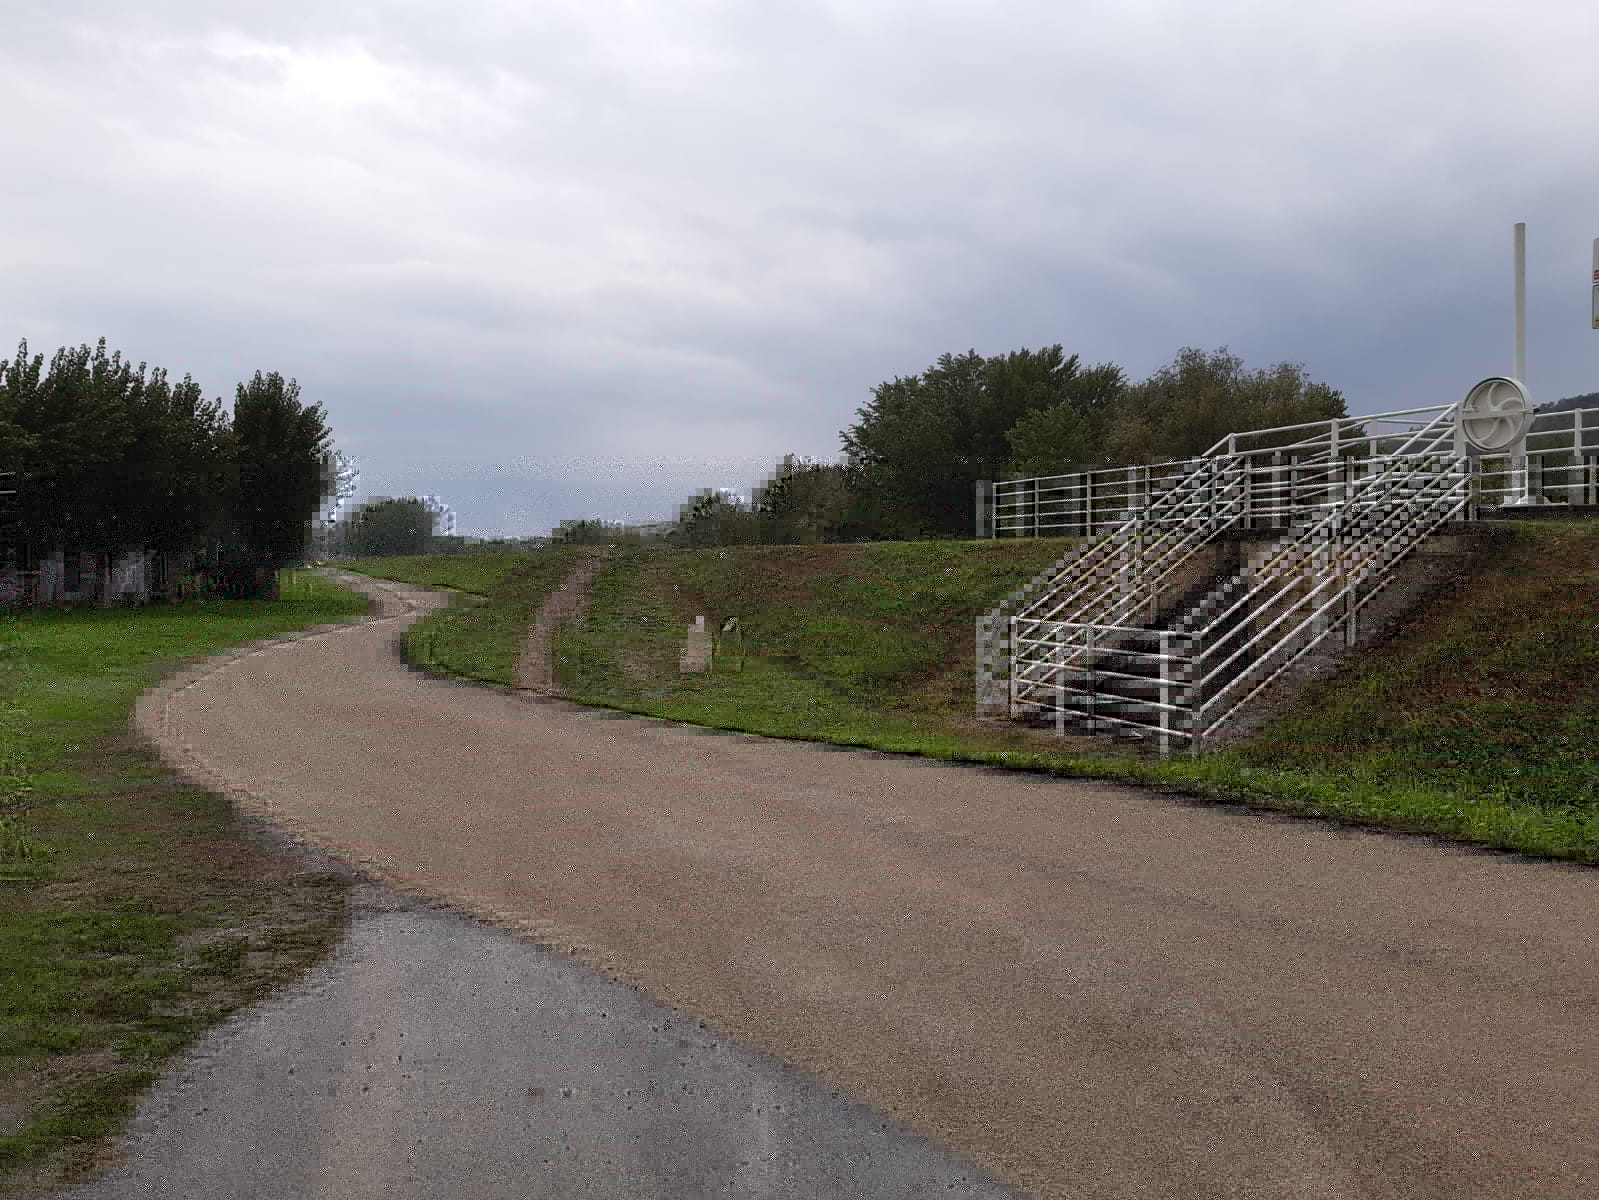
<point>110,458</point>
<point>922,442</point>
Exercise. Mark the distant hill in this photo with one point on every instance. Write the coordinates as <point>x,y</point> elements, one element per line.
<point>1586,400</point>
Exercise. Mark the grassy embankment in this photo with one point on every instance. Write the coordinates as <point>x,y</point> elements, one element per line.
<point>1479,724</point>
<point>481,637</point>
<point>134,911</point>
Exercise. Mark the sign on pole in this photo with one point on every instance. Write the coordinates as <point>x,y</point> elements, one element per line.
<point>1596,283</point>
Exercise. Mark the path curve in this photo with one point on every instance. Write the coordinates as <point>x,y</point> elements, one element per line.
<point>1088,988</point>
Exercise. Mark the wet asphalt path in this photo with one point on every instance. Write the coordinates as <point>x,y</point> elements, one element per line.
<point>437,1057</point>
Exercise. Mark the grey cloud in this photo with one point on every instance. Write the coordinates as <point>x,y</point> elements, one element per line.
<point>581,259</point>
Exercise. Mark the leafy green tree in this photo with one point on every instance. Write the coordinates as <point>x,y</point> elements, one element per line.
<point>922,442</point>
<point>109,458</point>
<point>587,531</point>
<point>804,502</point>
<point>1050,441</point>
<point>75,428</point>
<point>279,481</point>
<point>1069,434</point>
<point>716,517</point>
<point>19,390</point>
<point>171,484</point>
<point>387,526</point>
<point>1194,402</point>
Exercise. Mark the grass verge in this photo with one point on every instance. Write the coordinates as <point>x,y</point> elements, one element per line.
<point>135,912</point>
<point>1480,723</point>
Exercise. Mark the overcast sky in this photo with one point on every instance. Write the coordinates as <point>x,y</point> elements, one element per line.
<point>553,260</point>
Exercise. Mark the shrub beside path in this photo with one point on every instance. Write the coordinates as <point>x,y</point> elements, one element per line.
<point>1088,988</point>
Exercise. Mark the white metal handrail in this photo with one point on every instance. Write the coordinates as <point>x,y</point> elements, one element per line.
<point>1292,553</point>
<point>1347,573</point>
<point>1143,567</point>
<point>1092,500</point>
<point>1314,481</point>
<point>1273,564</point>
<point>1428,490</point>
<point>1333,624</point>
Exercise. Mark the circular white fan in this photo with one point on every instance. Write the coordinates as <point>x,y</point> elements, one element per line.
<point>1495,415</point>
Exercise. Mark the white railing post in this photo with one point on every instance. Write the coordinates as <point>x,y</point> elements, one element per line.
<point>1060,680</point>
<point>1035,507</point>
<point>1334,467</point>
<point>1010,706</point>
<point>1165,692</point>
<point>1574,491</point>
<point>1090,684</point>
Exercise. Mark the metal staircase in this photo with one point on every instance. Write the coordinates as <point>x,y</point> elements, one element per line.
<point>1117,571</point>
<point>1101,644</point>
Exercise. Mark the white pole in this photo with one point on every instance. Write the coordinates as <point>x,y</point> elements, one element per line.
<point>1521,302</point>
<point>1596,283</point>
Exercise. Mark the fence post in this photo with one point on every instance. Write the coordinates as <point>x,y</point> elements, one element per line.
<point>1090,684</point>
<point>1165,692</point>
<point>985,509</point>
<point>1060,681</point>
<point>1334,465</point>
<point>1010,682</point>
<point>1088,503</point>
<point>1249,492</point>
<point>1034,525</point>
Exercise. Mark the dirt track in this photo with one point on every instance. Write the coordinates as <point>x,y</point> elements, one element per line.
<point>1092,990</point>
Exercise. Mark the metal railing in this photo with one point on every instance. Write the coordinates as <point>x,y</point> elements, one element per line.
<point>1288,471</point>
<point>1351,498</point>
<point>1140,552</point>
<point>1288,599</point>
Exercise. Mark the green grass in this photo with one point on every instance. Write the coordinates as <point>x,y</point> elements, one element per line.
<point>481,639</point>
<point>475,574</point>
<point>1480,725</point>
<point>133,912</point>
<point>845,643</point>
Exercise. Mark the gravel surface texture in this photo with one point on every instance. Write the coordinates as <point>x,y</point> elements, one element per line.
<point>1089,989</point>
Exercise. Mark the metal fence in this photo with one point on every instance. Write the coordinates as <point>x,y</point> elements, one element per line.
<point>1345,501</point>
<point>1291,472</point>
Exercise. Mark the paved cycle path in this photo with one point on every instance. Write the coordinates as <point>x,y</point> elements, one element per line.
<point>1088,989</point>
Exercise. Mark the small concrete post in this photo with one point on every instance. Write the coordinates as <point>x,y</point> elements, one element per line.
<point>697,650</point>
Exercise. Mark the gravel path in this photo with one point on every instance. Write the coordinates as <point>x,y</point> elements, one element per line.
<point>1089,989</point>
